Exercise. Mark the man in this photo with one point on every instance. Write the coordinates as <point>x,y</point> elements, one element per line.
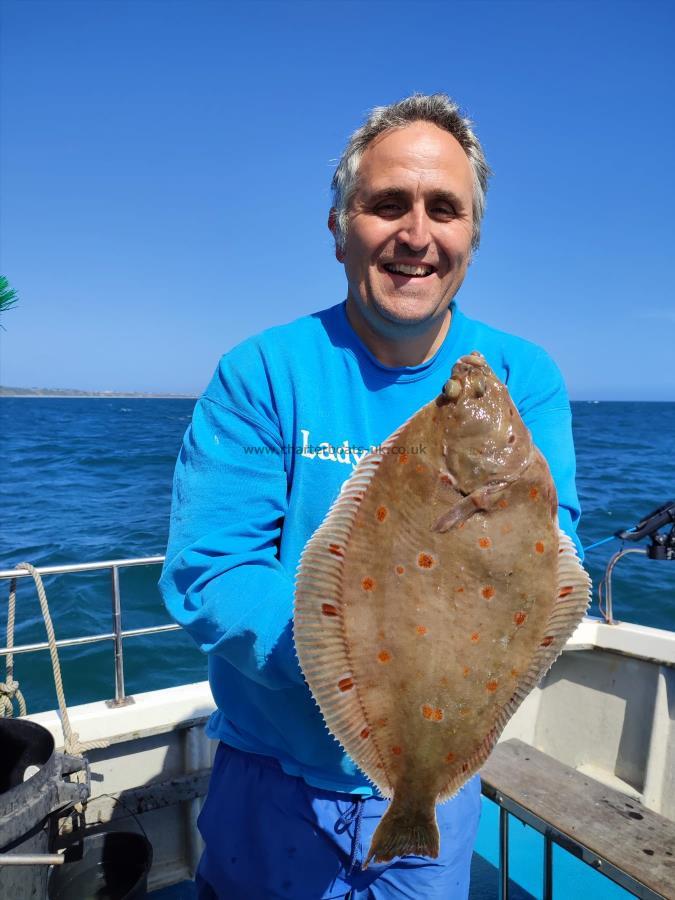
<point>276,433</point>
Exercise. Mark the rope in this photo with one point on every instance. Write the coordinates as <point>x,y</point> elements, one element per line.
<point>9,688</point>
<point>72,743</point>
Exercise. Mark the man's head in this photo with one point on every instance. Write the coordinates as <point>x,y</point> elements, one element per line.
<point>438,109</point>
<point>409,194</point>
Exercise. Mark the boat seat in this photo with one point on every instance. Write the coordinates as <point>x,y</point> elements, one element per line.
<point>595,823</point>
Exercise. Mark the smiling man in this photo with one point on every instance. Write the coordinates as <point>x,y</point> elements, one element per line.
<point>281,426</point>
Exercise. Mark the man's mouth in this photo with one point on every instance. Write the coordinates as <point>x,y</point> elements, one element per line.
<point>422,270</point>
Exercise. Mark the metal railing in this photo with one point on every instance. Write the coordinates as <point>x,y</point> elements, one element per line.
<point>117,635</point>
<point>605,586</point>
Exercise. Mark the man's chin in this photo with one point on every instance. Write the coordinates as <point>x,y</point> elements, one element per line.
<point>410,314</point>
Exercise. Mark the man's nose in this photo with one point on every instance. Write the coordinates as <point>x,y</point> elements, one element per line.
<point>415,229</point>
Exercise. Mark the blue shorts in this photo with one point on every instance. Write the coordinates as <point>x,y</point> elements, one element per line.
<point>270,835</point>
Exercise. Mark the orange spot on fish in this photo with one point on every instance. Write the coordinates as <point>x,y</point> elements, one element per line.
<point>365,733</point>
<point>507,529</point>
<point>419,467</point>
<point>566,591</point>
<point>425,561</point>
<point>399,570</point>
<point>515,673</point>
<point>396,750</point>
<point>466,671</point>
<point>368,583</point>
<point>336,550</point>
<point>502,504</point>
<point>384,656</point>
<point>548,640</point>
<point>381,513</point>
<point>459,590</point>
<point>382,722</point>
<point>475,637</point>
<point>444,681</point>
<point>464,711</point>
<point>346,684</point>
<point>539,547</point>
<point>484,542</point>
<point>488,592</point>
<point>328,609</point>
<point>519,618</point>
<point>438,715</point>
<point>379,766</point>
<point>427,711</point>
<point>491,685</point>
<point>445,479</point>
<point>421,630</point>
<point>534,493</point>
<point>450,757</point>
<point>403,458</point>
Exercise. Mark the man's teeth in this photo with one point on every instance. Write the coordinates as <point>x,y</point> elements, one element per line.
<point>401,269</point>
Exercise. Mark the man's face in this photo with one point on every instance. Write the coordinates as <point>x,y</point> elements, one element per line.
<point>410,224</point>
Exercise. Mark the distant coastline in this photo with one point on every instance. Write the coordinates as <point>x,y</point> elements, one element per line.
<point>66,393</point>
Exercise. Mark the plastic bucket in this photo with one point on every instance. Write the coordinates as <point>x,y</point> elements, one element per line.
<point>113,865</point>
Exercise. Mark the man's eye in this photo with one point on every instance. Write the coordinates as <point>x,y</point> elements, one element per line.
<point>446,212</point>
<point>388,209</point>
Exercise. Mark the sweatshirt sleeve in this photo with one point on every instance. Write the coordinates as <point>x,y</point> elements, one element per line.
<point>222,579</point>
<point>545,409</point>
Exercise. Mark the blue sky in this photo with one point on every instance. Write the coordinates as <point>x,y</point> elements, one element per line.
<point>165,171</point>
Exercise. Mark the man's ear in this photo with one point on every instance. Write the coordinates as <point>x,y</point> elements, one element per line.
<point>332,225</point>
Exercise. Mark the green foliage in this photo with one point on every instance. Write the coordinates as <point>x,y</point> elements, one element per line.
<point>8,296</point>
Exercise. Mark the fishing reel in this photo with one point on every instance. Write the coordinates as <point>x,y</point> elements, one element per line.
<point>662,544</point>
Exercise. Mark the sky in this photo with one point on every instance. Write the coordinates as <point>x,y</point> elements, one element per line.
<point>165,169</point>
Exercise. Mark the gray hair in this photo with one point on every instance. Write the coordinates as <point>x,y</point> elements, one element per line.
<point>438,109</point>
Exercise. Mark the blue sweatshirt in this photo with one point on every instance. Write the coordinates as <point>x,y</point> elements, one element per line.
<point>278,430</point>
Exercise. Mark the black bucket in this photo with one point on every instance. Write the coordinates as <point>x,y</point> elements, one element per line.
<point>34,793</point>
<point>109,866</point>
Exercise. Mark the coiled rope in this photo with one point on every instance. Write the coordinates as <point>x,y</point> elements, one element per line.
<point>9,689</point>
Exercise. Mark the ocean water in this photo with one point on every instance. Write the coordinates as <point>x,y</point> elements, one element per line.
<point>90,479</point>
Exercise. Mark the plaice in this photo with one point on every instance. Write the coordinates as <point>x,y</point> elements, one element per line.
<point>434,596</point>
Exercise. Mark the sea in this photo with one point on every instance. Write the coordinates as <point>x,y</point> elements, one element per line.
<point>89,479</point>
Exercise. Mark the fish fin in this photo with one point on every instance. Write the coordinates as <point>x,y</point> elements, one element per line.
<point>573,599</point>
<point>404,832</point>
<point>459,513</point>
<point>318,626</point>
<point>482,499</point>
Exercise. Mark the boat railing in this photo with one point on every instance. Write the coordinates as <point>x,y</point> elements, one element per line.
<point>117,635</point>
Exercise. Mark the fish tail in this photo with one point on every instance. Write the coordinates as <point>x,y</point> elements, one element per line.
<point>404,831</point>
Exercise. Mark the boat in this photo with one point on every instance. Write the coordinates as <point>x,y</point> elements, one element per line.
<point>579,794</point>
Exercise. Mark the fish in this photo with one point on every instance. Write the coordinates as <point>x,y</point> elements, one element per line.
<point>434,596</point>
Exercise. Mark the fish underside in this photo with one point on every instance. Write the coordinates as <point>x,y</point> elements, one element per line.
<point>433,598</point>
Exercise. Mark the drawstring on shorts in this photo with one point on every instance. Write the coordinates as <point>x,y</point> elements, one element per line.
<point>355,815</point>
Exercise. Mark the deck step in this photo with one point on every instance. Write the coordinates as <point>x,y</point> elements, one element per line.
<point>584,815</point>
